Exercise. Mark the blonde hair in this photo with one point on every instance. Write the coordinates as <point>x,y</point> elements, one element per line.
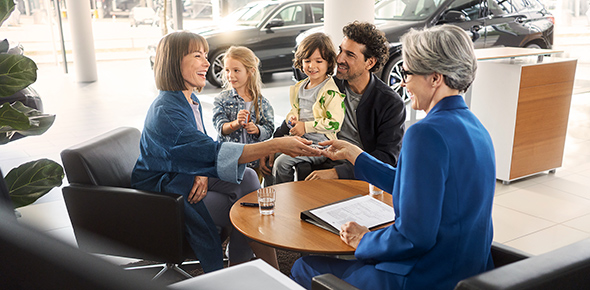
<point>253,86</point>
<point>171,49</point>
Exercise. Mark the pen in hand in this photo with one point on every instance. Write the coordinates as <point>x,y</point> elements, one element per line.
<point>252,204</point>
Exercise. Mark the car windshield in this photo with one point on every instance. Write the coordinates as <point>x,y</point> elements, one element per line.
<point>405,9</point>
<point>249,15</point>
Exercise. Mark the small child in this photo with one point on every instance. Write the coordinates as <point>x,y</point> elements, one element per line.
<point>317,107</point>
<point>241,114</point>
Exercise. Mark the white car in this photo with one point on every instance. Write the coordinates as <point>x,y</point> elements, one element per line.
<point>142,15</point>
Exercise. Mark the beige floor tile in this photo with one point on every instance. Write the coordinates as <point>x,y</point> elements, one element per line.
<point>581,223</point>
<point>514,185</point>
<point>585,173</point>
<point>510,224</point>
<point>545,202</point>
<point>548,239</point>
<point>45,216</point>
<point>65,235</point>
<point>575,184</point>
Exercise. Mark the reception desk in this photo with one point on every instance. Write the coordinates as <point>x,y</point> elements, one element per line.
<point>522,96</point>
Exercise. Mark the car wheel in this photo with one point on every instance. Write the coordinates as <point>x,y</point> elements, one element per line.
<point>533,45</point>
<point>215,73</point>
<point>392,76</point>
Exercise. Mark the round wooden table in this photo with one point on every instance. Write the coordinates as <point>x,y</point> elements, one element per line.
<point>285,229</point>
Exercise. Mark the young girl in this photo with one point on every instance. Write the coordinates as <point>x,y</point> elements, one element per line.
<point>317,108</point>
<point>241,114</point>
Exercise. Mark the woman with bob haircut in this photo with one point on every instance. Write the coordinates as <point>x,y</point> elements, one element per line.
<point>177,155</point>
<point>442,188</point>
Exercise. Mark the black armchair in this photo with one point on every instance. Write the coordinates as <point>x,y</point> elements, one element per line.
<point>101,204</point>
<point>564,268</point>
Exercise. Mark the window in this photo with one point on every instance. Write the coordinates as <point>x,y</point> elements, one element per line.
<point>317,10</point>
<point>471,8</point>
<point>500,7</point>
<point>405,10</point>
<point>292,15</point>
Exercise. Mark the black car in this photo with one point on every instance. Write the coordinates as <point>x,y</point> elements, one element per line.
<point>516,23</point>
<point>268,28</point>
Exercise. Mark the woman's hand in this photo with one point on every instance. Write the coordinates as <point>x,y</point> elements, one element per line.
<point>351,233</point>
<point>242,118</point>
<point>296,146</point>
<point>340,150</point>
<point>298,128</point>
<point>264,168</point>
<point>252,129</point>
<point>199,190</point>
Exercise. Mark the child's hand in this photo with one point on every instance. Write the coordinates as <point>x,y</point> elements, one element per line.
<point>298,129</point>
<point>251,128</point>
<point>292,121</point>
<point>243,116</point>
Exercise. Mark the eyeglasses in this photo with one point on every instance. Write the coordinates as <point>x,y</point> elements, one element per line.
<point>404,74</point>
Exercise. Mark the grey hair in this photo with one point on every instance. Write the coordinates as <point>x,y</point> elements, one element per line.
<point>444,49</point>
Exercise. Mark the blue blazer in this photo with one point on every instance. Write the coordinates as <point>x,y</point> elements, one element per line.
<point>442,189</point>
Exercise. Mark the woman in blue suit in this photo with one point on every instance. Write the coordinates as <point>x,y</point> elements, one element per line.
<point>442,187</point>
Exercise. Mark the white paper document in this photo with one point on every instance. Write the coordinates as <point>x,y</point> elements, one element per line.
<point>364,210</point>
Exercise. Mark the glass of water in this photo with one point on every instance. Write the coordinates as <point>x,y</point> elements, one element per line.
<point>266,200</point>
<point>373,190</point>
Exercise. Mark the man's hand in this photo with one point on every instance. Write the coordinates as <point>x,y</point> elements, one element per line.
<point>323,174</point>
<point>267,170</point>
<point>199,190</point>
<point>351,233</point>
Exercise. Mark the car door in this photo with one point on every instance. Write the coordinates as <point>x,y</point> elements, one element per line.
<point>474,22</point>
<point>505,26</point>
<point>275,48</point>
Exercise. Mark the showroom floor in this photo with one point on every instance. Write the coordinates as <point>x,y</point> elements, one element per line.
<point>537,214</point>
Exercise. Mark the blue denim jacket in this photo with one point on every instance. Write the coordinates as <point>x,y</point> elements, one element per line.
<point>172,152</point>
<point>225,109</point>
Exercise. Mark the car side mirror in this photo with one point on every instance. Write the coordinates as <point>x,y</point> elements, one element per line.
<point>276,22</point>
<point>453,16</point>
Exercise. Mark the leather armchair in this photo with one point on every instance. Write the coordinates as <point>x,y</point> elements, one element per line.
<point>101,204</point>
<point>564,268</point>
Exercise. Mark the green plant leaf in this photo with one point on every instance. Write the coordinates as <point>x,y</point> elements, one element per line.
<point>16,73</point>
<point>32,180</point>
<point>37,122</point>
<point>12,118</point>
<point>4,45</point>
<point>6,8</point>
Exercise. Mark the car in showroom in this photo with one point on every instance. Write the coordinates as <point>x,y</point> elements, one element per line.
<point>268,28</point>
<point>142,15</point>
<point>490,23</point>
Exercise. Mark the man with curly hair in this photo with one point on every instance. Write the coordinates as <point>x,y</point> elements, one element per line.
<point>375,114</point>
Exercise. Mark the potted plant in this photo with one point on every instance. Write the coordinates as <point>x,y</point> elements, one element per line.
<point>31,180</point>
